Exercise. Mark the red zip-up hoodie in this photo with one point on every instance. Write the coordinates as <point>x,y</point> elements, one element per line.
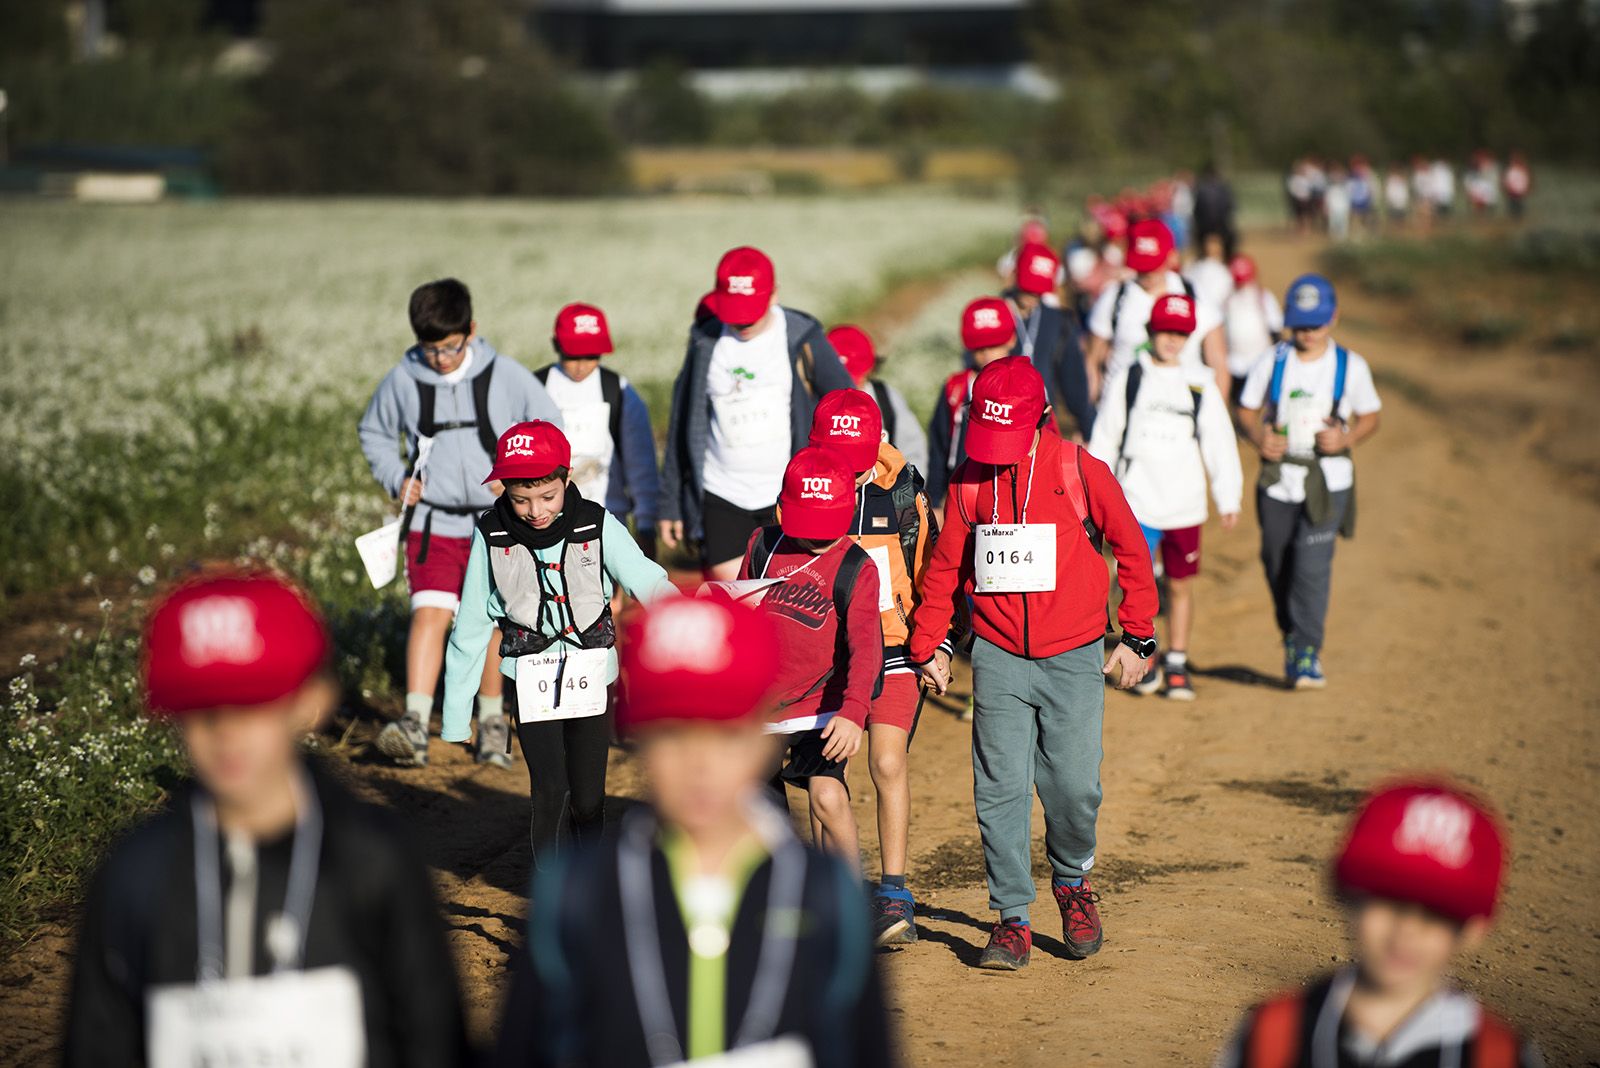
<point>1038,625</point>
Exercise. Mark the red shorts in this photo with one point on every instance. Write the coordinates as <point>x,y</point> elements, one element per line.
<point>436,581</point>
<point>1180,552</point>
<point>896,706</point>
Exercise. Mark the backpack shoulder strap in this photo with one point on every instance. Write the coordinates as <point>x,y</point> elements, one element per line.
<point>1275,1032</point>
<point>1341,372</point>
<point>881,392</point>
<point>765,546</point>
<point>966,494</point>
<point>543,374</point>
<point>480,406</point>
<point>1077,491</point>
<point>1280,363</point>
<point>427,426</point>
<point>1188,287</point>
<point>907,489</point>
<point>1130,394</point>
<point>1496,1045</point>
<point>1116,306</point>
<point>611,394</point>
<point>844,580</point>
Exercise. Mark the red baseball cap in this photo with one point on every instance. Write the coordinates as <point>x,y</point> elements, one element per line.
<point>1115,225</point>
<point>743,292</point>
<point>1037,267</point>
<point>986,323</point>
<point>1008,401</point>
<point>530,450</point>
<point>1243,269</point>
<point>702,310</point>
<point>235,640</point>
<point>581,330</point>
<point>848,422</point>
<point>1426,843</point>
<point>818,498</point>
<point>1034,233</point>
<point>1149,245</point>
<point>855,351</point>
<point>1173,314</point>
<point>695,660</point>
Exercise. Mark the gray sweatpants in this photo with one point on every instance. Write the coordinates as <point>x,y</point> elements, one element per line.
<point>1298,558</point>
<point>1035,724</point>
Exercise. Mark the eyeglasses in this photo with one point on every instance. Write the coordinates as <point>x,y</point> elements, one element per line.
<point>433,352</point>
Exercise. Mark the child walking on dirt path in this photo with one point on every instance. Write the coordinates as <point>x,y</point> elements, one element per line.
<point>1164,429</point>
<point>741,407</point>
<point>822,597</point>
<point>1049,336</point>
<point>988,332</point>
<point>900,425</point>
<point>1021,537</point>
<point>606,422</point>
<point>265,916</point>
<point>1305,406</point>
<point>1419,874</point>
<point>429,434</point>
<point>1254,320</point>
<point>895,524</point>
<point>544,564</point>
<point>705,929</point>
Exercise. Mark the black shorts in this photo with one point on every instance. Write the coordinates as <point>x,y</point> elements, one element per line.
<point>728,528</point>
<point>1236,390</point>
<point>803,759</point>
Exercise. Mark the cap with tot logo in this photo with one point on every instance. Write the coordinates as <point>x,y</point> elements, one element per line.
<point>1008,402</point>
<point>818,499</point>
<point>987,323</point>
<point>848,422</point>
<point>1149,245</point>
<point>700,660</point>
<point>530,450</point>
<point>1037,268</point>
<point>1425,843</point>
<point>855,351</point>
<point>1173,314</point>
<point>234,640</point>
<point>743,292</point>
<point>1310,303</point>
<point>581,330</point>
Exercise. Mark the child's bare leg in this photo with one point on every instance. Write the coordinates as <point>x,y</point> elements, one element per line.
<point>1180,613</point>
<point>886,760</point>
<point>493,684</point>
<point>425,649</point>
<point>830,801</point>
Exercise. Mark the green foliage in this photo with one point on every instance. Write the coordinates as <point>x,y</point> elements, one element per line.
<point>663,108</point>
<point>133,99</point>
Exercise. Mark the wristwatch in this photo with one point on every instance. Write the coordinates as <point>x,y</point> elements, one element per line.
<point>1145,647</point>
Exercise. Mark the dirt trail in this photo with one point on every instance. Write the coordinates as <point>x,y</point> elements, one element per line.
<point>1475,563</point>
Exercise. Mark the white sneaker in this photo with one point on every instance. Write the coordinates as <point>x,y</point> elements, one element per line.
<point>405,741</point>
<point>494,736</point>
<point>1151,683</point>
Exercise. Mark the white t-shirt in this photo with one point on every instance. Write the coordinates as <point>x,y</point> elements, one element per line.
<point>1168,456</point>
<point>1253,317</point>
<point>586,420</point>
<point>1396,192</point>
<point>1131,322</point>
<point>1212,281</point>
<point>1306,400</point>
<point>750,386</point>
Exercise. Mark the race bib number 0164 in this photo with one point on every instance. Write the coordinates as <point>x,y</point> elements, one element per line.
<point>1015,558</point>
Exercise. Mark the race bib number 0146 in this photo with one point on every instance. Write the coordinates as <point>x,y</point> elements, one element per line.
<point>1015,558</point>
<point>562,683</point>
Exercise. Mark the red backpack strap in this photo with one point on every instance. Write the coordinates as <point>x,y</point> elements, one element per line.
<point>1275,1033</point>
<point>1497,1045</point>
<point>1078,492</point>
<point>966,494</point>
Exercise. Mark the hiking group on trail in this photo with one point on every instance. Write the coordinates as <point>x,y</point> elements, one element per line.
<point>848,558</point>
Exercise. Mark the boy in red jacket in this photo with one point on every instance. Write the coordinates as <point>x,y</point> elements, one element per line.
<point>823,599</point>
<point>1021,537</point>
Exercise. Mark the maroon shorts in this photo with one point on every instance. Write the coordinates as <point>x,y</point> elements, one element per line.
<point>1180,552</point>
<point>896,706</point>
<point>436,581</point>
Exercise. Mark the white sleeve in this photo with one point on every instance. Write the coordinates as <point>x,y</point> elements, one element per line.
<point>1105,442</point>
<point>1100,315</point>
<point>1359,390</point>
<point>1274,311</point>
<point>1254,393</point>
<point>1219,448</point>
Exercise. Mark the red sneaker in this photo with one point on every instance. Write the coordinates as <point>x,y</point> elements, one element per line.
<point>1008,948</point>
<point>1080,920</point>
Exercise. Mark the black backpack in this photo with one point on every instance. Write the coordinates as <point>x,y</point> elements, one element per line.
<point>1122,293</point>
<point>880,391</point>
<point>610,392</point>
<point>1130,394</point>
<point>428,427</point>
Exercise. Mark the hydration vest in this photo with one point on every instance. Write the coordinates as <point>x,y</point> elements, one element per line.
<point>568,598</point>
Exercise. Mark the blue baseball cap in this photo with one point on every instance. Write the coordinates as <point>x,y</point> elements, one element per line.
<point>1310,302</point>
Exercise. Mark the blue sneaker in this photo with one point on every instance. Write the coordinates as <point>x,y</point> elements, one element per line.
<point>1308,670</point>
<point>894,921</point>
<point>1291,664</point>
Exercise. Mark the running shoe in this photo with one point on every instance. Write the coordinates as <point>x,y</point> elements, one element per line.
<point>1308,670</point>
<point>1291,663</point>
<point>494,736</point>
<point>1008,948</point>
<point>1151,683</point>
<point>894,921</point>
<point>1080,920</point>
<point>1179,688</point>
<point>405,741</point>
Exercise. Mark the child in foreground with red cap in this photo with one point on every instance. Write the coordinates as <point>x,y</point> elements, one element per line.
<point>606,422</point>
<point>545,562</point>
<point>988,331</point>
<point>860,359</point>
<point>706,928</point>
<point>823,600</point>
<point>1022,538</point>
<point>896,525</point>
<point>1163,429</point>
<point>1051,339</point>
<point>1420,871</point>
<point>266,916</point>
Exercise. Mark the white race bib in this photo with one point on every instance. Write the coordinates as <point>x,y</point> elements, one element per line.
<point>753,418</point>
<point>787,1052</point>
<point>380,553</point>
<point>880,557</point>
<point>562,683</point>
<point>1015,558</point>
<point>308,1019</point>
<point>1304,418</point>
<point>588,430</point>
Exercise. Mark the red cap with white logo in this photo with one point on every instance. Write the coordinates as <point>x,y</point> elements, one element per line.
<point>530,450</point>
<point>1172,314</point>
<point>848,422</point>
<point>581,330</point>
<point>699,660</point>
<point>1037,268</point>
<point>1243,269</point>
<point>1008,402</point>
<point>1149,246</point>
<point>1426,843</point>
<point>987,323</point>
<point>818,498</point>
<point>743,292</point>
<point>855,351</point>
<point>235,640</point>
